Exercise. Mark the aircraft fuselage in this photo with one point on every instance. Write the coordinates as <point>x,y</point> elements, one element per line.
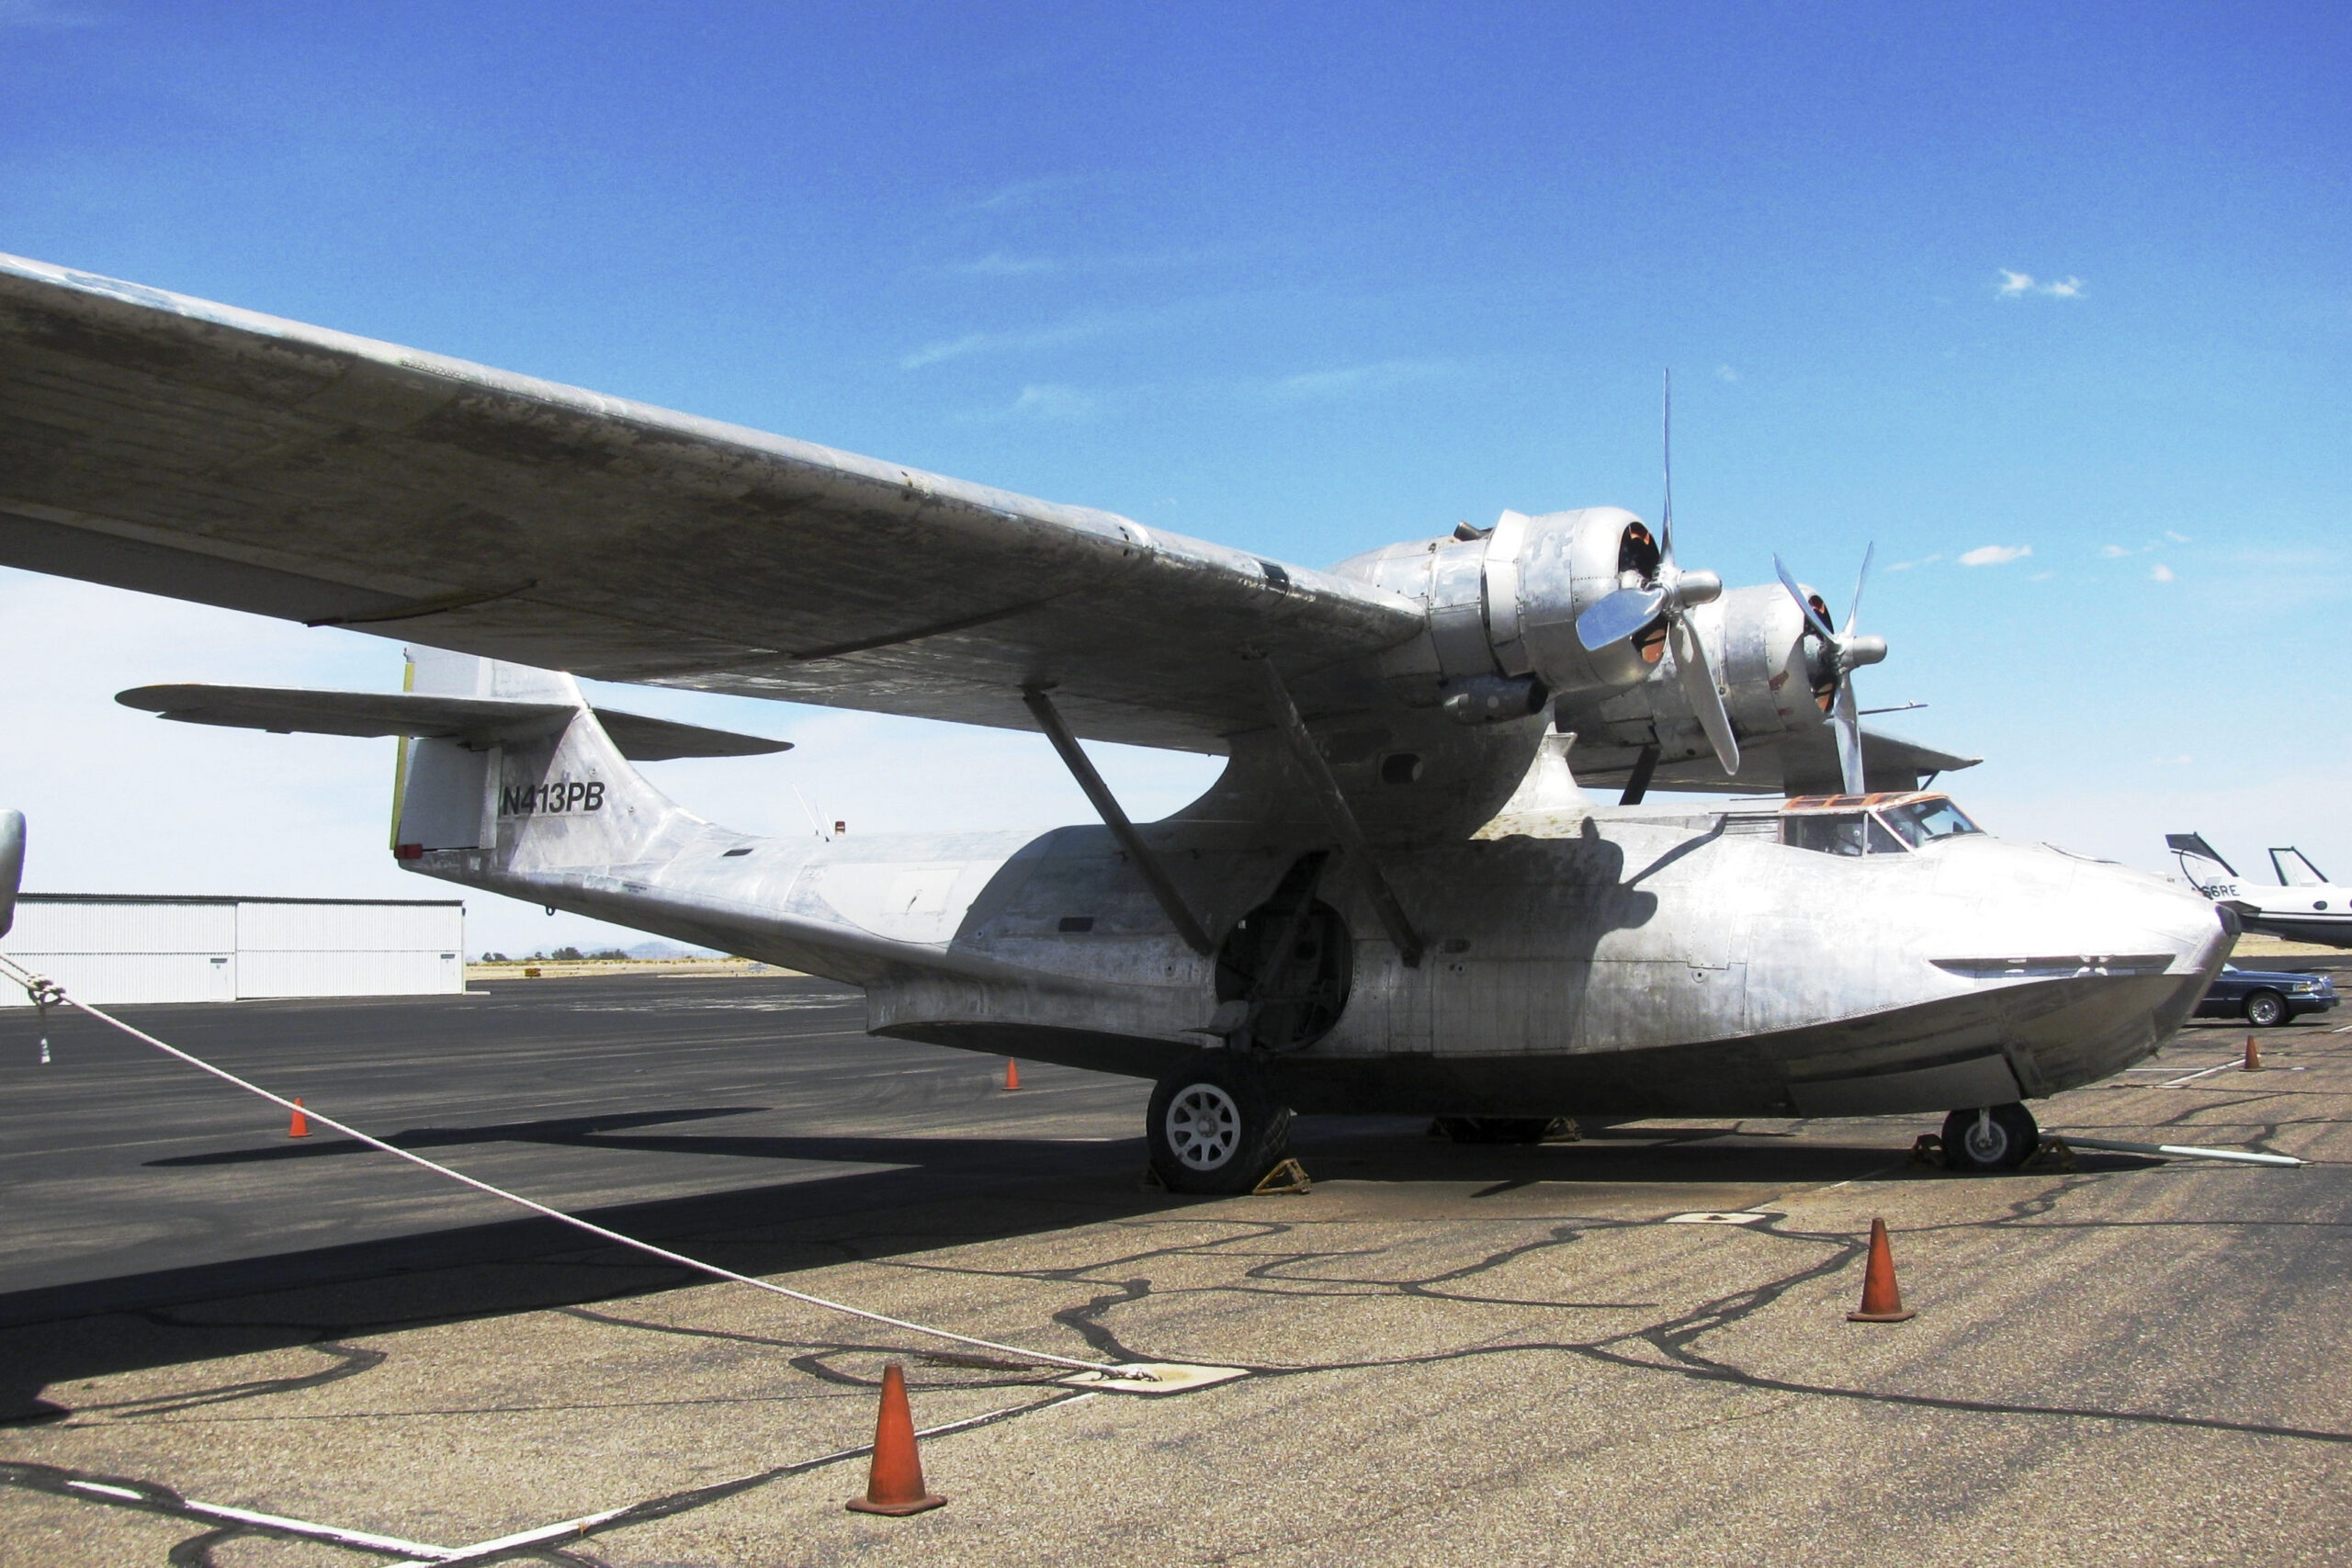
<point>1597,962</point>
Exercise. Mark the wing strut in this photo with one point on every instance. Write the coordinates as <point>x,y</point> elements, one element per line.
<point>1336,812</point>
<point>1081,768</point>
<point>1638,784</point>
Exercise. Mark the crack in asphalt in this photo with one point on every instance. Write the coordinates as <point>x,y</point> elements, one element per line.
<point>1281,1261</point>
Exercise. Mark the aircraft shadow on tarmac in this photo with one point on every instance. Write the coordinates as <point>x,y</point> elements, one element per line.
<point>940,1191</point>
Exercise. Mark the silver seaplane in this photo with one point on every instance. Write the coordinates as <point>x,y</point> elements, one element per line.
<point>1397,897</point>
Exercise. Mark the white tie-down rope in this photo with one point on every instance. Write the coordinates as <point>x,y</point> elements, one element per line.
<point>46,993</point>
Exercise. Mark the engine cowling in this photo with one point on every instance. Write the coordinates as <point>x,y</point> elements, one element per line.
<point>1775,678</point>
<point>1503,606</point>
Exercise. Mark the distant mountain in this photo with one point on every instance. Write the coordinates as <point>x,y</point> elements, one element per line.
<point>669,950</point>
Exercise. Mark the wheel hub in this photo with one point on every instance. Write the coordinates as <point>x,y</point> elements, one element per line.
<point>1987,1140</point>
<point>1203,1126</point>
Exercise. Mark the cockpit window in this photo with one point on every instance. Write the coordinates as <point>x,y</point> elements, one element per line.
<point>1841,833</point>
<point>1924,819</point>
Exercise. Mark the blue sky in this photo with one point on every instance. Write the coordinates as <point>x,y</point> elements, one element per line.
<point>2076,281</point>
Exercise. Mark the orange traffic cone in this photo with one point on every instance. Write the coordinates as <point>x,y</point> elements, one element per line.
<point>894,1484</point>
<point>300,1126</point>
<point>2253,1055</point>
<point>1011,1074</point>
<point>1882,1302</point>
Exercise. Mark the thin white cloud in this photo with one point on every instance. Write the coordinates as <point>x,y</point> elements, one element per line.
<point>1021,193</point>
<point>1725,373</point>
<point>2042,577</point>
<point>1001,343</point>
<point>998,265</point>
<point>2176,538</point>
<point>1048,401</point>
<point>1353,380</point>
<point>2017,284</point>
<point>2114,552</point>
<point>2161,572</point>
<point>1005,264</point>
<point>1995,555</point>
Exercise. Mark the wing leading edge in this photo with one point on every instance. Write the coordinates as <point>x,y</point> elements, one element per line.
<point>160,442</point>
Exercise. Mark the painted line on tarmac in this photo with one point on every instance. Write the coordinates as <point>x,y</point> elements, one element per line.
<point>2192,1078</point>
<point>154,1498</point>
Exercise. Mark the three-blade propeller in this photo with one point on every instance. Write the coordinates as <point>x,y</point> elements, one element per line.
<point>1672,592</point>
<point>1845,653</point>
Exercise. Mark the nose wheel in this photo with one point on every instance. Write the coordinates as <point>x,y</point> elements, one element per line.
<point>1995,1137</point>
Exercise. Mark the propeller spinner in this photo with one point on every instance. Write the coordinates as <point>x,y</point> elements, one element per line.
<point>1672,592</point>
<point>1847,653</point>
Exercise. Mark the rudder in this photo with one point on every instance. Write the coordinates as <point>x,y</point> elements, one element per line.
<point>554,791</point>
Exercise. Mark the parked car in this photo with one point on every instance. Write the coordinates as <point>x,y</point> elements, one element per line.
<point>2265,996</point>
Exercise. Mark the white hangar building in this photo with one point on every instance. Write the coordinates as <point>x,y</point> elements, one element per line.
<point>161,948</point>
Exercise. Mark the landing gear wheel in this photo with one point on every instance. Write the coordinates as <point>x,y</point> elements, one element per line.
<point>1213,1126</point>
<point>2001,1137</point>
<point>2266,1010</point>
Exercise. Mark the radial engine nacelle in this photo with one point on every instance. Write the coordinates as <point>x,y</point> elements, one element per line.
<point>1503,606</point>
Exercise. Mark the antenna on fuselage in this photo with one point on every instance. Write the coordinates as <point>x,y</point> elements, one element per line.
<point>813,821</point>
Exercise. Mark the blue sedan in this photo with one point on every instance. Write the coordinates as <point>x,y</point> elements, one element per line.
<point>2263,998</point>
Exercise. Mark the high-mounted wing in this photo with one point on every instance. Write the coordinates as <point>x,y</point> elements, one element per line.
<point>160,442</point>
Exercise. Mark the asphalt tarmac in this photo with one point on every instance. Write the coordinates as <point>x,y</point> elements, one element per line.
<point>1454,1353</point>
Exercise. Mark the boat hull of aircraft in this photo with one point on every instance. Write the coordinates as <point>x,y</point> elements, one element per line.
<point>1595,962</point>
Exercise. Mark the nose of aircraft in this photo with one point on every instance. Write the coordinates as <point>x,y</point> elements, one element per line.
<point>2141,913</point>
<point>2050,902</point>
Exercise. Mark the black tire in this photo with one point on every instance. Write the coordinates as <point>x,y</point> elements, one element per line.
<point>2001,1138</point>
<point>2266,1010</point>
<point>1498,1128</point>
<point>1213,1126</point>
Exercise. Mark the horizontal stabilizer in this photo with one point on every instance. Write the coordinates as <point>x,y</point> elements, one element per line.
<point>475,721</point>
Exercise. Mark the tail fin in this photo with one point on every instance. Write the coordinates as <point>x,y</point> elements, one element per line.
<point>546,791</point>
<point>493,755</point>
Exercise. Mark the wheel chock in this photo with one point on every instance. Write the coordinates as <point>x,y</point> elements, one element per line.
<point>2053,1154</point>
<point>1928,1150</point>
<point>1288,1177</point>
<point>1152,1377</point>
